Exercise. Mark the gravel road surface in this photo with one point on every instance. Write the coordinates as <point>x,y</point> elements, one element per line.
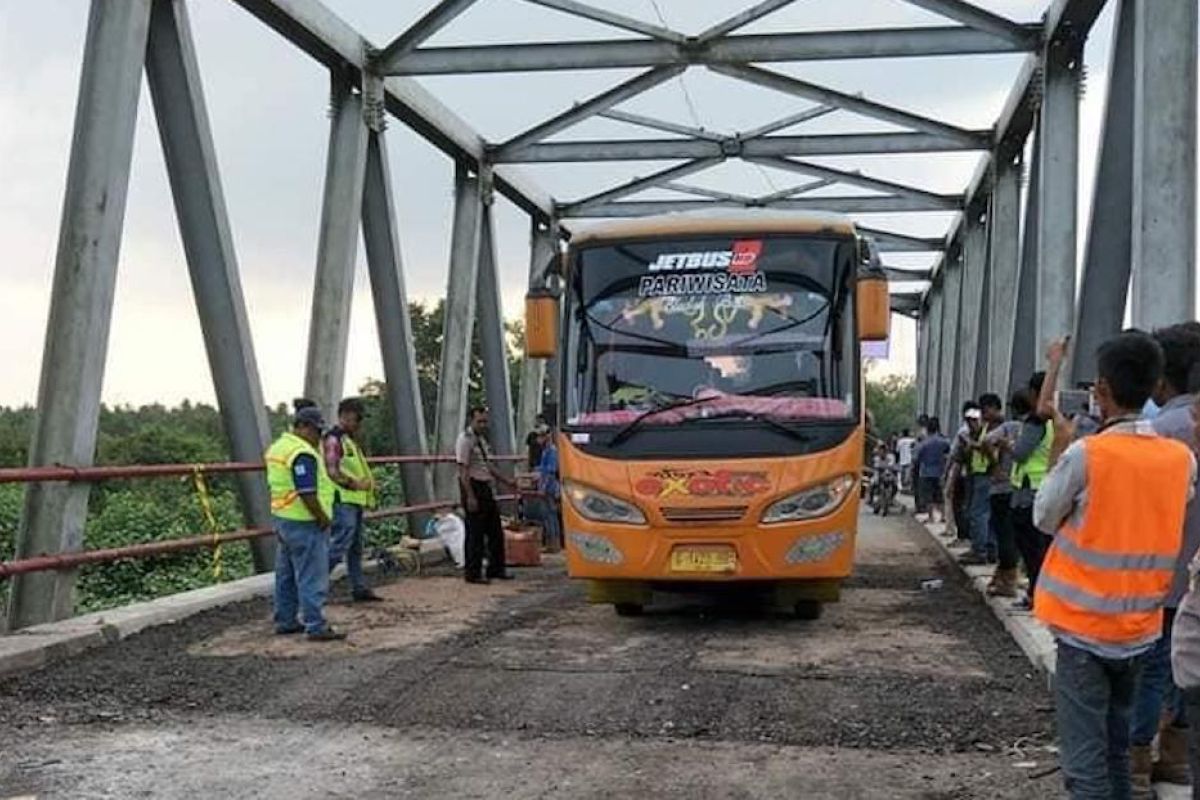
<point>522,690</point>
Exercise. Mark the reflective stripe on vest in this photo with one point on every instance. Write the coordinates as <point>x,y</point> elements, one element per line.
<point>285,500</point>
<point>354,465</point>
<point>1037,465</point>
<point>1106,579</point>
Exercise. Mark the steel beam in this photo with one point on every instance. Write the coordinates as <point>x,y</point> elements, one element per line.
<point>933,396</point>
<point>846,102</point>
<point>1004,273</point>
<point>1065,21</point>
<point>1059,134</point>
<point>897,274</point>
<point>1164,164</point>
<point>316,30</point>
<point>1108,252</point>
<point>433,21</point>
<point>661,125</point>
<point>890,241</point>
<point>337,251</point>
<point>633,53</point>
<point>543,249</point>
<point>701,191</point>
<point>1025,358</point>
<point>973,309</point>
<point>85,271</point>
<point>974,17</point>
<point>950,390</point>
<point>793,191</point>
<point>742,19</point>
<point>612,19</point>
<point>636,185</point>
<point>948,202</point>
<point>588,108</point>
<point>471,190</point>
<point>922,341</point>
<point>381,241</point>
<point>493,341</point>
<point>799,117</point>
<point>173,74</point>
<point>841,205</point>
<point>837,144</point>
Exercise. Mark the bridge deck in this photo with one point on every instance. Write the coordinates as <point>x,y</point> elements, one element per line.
<point>522,690</point>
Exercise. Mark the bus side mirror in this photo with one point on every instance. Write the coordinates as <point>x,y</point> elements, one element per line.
<point>874,306</point>
<point>541,324</point>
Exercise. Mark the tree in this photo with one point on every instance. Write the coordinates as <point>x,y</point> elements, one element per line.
<point>892,402</point>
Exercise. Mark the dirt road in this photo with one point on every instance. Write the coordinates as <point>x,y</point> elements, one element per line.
<point>521,690</point>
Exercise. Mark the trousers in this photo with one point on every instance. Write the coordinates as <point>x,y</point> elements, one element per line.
<point>484,534</point>
<point>1093,701</point>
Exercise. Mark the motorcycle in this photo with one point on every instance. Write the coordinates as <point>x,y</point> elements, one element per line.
<point>884,486</point>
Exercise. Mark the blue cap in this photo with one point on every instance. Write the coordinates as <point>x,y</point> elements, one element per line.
<point>311,415</point>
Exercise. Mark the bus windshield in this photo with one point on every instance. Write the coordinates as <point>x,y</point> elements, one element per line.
<point>711,328</point>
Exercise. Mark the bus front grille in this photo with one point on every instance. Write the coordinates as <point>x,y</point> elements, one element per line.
<point>705,514</point>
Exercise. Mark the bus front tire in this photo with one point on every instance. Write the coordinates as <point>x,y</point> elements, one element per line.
<point>628,609</point>
<point>807,609</point>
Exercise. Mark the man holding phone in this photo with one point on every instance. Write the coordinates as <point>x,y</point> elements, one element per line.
<point>1115,502</point>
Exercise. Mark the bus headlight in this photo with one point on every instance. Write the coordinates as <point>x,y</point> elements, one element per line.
<point>816,501</point>
<point>600,507</point>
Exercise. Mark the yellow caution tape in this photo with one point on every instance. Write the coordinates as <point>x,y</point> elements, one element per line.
<point>206,507</point>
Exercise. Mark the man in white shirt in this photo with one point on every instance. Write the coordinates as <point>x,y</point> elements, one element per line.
<point>904,457</point>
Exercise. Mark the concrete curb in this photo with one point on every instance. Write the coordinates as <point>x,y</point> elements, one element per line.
<point>34,647</point>
<point>1030,635</point>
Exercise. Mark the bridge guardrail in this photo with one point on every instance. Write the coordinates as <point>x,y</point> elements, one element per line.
<point>71,560</point>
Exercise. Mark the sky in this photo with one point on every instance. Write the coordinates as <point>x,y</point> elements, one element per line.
<point>268,105</point>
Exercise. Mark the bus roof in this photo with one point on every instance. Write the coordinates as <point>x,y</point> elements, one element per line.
<point>722,221</point>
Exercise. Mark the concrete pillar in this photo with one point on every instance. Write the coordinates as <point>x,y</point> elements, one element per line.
<point>493,341</point>
<point>337,249</point>
<point>542,248</point>
<point>174,78</point>
<point>1108,254</point>
<point>1057,206</point>
<point>1004,271</point>
<point>381,240</point>
<point>950,388</point>
<point>85,270</point>
<point>470,190</point>
<point>1025,357</point>
<point>1164,164</point>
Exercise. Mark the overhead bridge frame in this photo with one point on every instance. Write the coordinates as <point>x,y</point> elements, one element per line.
<point>999,288</point>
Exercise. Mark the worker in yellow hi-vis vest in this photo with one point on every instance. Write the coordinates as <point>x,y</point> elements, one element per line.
<point>355,493</point>
<point>301,504</point>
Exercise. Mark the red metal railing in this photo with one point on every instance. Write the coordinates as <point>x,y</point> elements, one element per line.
<point>62,561</point>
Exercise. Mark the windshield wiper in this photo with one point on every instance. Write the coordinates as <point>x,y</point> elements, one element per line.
<point>767,418</point>
<point>632,426</point>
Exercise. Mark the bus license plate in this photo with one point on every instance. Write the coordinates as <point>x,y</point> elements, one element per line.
<point>703,559</point>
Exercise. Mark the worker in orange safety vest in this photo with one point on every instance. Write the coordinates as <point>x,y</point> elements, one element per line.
<point>1115,504</point>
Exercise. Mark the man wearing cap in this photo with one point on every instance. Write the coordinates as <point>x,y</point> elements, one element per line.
<point>301,502</point>
<point>348,469</point>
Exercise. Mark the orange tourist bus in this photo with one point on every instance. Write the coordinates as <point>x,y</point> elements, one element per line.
<point>711,403</point>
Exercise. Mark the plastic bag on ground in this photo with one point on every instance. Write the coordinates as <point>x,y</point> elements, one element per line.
<point>452,533</point>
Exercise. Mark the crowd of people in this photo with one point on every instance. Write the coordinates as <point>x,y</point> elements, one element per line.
<point>321,485</point>
<point>1094,506</point>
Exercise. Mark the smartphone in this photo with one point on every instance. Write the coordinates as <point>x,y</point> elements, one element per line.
<point>1073,402</point>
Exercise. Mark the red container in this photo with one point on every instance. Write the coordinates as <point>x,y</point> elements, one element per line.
<point>523,546</point>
